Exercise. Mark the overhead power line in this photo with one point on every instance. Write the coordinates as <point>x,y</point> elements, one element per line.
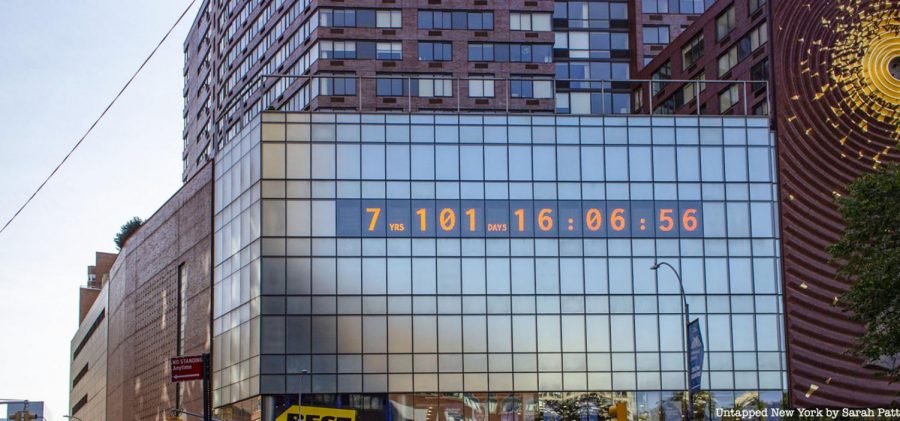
<point>105,110</point>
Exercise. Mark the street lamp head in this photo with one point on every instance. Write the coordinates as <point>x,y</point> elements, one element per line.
<point>304,371</point>
<point>655,266</point>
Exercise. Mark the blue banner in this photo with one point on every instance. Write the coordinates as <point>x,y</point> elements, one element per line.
<point>695,347</point>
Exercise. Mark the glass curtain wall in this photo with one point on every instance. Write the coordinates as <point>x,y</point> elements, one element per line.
<point>333,255</point>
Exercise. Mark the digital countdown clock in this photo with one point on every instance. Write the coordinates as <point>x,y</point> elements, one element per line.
<point>517,218</point>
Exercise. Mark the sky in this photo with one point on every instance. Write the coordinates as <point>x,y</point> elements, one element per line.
<point>60,64</point>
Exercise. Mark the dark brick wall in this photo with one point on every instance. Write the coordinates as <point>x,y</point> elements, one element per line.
<point>205,35</point>
<point>677,24</point>
<point>707,67</point>
<point>822,146</point>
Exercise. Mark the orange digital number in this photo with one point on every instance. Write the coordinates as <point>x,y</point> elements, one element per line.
<point>593,219</point>
<point>545,219</point>
<point>471,214</point>
<point>665,217</point>
<point>448,219</point>
<point>374,221</point>
<point>422,220</point>
<point>616,220</point>
<point>520,213</point>
<point>689,219</point>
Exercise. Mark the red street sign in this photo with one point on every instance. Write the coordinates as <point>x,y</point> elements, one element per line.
<point>187,368</point>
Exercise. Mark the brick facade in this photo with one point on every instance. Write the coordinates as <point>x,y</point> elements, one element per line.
<point>143,299</point>
<point>212,57</point>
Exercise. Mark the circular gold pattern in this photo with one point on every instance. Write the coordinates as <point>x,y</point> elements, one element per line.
<point>837,116</point>
<point>864,65</point>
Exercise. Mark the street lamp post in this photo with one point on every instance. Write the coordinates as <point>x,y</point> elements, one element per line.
<point>303,372</point>
<point>684,338</point>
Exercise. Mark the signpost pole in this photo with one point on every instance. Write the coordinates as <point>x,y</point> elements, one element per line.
<point>207,389</point>
<point>687,360</point>
<point>689,408</point>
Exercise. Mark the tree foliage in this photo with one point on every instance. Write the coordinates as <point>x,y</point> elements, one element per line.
<point>126,230</point>
<point>868,255</point>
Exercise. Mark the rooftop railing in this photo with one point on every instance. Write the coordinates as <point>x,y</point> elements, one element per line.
<point>420,93</point>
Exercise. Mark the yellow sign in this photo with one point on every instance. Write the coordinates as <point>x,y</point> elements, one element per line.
<point>312,413</point>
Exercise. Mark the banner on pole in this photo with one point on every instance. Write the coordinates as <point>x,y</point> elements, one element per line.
<point>695,348</point>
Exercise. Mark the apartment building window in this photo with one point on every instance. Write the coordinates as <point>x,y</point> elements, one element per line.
<point>663,73</point>
<point>391,86</point>
<point>760,72</point>
<point>480,21</point>
<point>728,60</point>
<point>753,40</point>
<point>667,106</point>
<point>337,18</point>
<point>593,14</point>
<point>655,6</point>
<point>762,108</point>
<point>690,90</point>
<point>658,35</point>
<point>747,45</point>
<point>692,52</point>
<point>440,86</point>
<point>725,23</point>
<point>337,86</point>
<point>481,52</point>
<point>388,19</point>
<point>359,18</point>
<point>438,19</point>
<point>435,51</point>
<point>429,19</point>
<point>515,53</point>
<point>754,5</point>
<point>337,49</point>
<point>728,97</point>
<point>581,44</point>
<point>389,51</point>
<point>524,88</point>
<point>481,88</point>
<point>529,21</point>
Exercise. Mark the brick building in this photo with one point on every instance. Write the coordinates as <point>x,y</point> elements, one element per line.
<point>728,42</point>
<point>87,366</point>
<point>159,306</point>
<point>658,22</point>
<point>153,303</point>
<point>97,277</point>
<point>835,119</point>
<point>404,55</point>
<point>437,56</point>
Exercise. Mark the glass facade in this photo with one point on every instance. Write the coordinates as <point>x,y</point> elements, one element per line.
<point>520,323</point>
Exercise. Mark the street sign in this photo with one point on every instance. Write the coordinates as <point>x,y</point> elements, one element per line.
<point>695,347</point>
<point>187,368</point>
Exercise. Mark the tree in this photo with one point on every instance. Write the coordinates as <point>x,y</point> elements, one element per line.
<point>127,229</point>
<point>868,256</point>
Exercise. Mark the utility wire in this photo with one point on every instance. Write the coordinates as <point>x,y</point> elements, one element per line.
<point>91,128</point>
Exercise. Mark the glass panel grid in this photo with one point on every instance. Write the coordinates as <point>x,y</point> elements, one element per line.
<point>437,314</point>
